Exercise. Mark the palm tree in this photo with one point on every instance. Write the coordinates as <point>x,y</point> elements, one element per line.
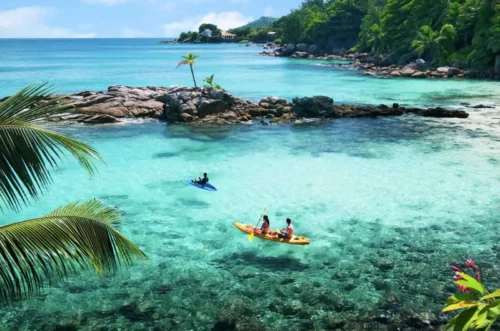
<point>75,236</point>
<point>427,42</point>
<point>190,59</point>
<point>376,39</point>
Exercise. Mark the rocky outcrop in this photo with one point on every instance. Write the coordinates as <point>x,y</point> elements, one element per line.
<point>288,50</point>
<point>438,112</point>
<point>318,106</point>
<point>205,105</point>
<point>302,47</point>
<point>452,72</point>
<point>313,49</point>
<point>121,101</point>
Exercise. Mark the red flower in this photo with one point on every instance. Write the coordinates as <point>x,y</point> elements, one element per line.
<point>456,268</point>
<point>462,288</point>
<point>471,264</point>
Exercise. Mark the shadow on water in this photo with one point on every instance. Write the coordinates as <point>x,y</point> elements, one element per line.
<point>281,263</point>
<point>193,203</point>
<point>205,133</point>
<point>165,155</point>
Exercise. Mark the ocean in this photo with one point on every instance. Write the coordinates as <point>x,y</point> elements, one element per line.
<point>388,203</point>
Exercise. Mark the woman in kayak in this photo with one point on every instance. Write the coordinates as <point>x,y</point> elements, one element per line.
<point>264,229</point>
<point>201,181</point>
<point>288,232</point>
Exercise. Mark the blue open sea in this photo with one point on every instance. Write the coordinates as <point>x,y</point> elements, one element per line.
<point>388,203</point>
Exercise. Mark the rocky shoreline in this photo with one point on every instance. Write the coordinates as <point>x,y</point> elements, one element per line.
<point>384,66</point>
<point>178,104</point>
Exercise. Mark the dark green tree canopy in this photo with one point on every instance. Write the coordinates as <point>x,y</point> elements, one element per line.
<point>442,31</point>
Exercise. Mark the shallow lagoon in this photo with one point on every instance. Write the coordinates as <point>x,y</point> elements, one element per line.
<point>388,204</point>
<point>74,65</point>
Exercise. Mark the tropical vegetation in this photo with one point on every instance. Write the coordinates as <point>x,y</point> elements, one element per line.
<point>74,237</point>
<point>441,31</point>
<point>479,309</point>
<point>190,60</point>
<point>210,83</point>
<point>256,31</point>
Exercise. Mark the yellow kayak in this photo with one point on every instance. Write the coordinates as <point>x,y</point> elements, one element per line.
<point>247,228</point>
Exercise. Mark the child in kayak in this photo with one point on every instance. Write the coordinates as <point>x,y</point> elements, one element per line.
<point>264,229</point>
<point>288,232</point>
<point>201,181</point>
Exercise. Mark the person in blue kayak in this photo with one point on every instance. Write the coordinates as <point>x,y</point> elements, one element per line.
<point>201,181</point>
<point>264,229</point>
<point>288,232</point>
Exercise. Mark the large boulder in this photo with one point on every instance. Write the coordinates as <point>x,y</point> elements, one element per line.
<point>420,65</point>
<point>317,106</point>
<point>452,72</point>
<point>313,49</point>
<point>407,72</point>
<point>222,95</point>
<point>419,74</point>
<point>289,50</point>
<point>395,73</point>
<point>300,55</point>
<point>444,70</point>
<point>302,47</point>
<point>208,107</point>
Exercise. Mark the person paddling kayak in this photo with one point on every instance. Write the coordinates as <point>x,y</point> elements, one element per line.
<point>201,181</point>
<point>288,232</point>
<point>264,229</point>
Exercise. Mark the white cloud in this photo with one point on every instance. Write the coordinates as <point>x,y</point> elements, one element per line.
<point>223,20</point>
<point>132,33</point>
<point>105,2</point>
<point>268,11</point>
<point>31,22</point>
<point>226,20</point>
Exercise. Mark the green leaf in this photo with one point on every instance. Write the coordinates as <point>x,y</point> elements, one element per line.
<point>470,282</point>
<point>494,308</point>
<point>465,319</point>
<point>76,236</point>
<point>461,297</point>
<point>460,305</point>
<point>482,321</point>
<point>28,152</point>
<point>495,294</point>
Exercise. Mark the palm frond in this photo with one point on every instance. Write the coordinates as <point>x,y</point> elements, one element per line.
<point>72,237</point>
<point>27,151</point>
<point>182,62</point>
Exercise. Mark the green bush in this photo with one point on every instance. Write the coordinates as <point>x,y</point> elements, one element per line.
<point>478,308</point>
<point>277,41</point>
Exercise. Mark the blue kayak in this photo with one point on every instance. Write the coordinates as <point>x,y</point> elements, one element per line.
<point>206,187</point>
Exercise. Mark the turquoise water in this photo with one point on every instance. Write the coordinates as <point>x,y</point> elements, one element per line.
<point>388,204</point>
<point>95,64</point>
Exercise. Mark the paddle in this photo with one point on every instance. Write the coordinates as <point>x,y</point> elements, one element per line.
<point>250,237</point>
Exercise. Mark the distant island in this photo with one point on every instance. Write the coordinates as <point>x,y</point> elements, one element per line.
<point>259,31</point>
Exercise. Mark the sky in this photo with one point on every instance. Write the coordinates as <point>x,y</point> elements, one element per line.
<point>128,18</point>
